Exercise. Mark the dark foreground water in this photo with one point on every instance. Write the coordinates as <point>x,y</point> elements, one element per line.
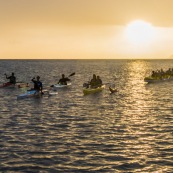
<point>129,131</point>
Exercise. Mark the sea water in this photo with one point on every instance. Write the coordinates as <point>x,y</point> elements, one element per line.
<point>128,131</point>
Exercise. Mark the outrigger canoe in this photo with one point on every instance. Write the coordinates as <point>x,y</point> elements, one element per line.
<point>87,91</point>
<point>157,79</point>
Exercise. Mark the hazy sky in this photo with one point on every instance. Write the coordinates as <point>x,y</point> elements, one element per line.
<point>83,28</point>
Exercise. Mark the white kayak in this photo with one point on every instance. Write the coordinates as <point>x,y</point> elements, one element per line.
<point>61,86</point>
<point>52,93</point>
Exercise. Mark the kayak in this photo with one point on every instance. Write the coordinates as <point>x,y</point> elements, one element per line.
<point>61,86</point>
<point>34,93</point>
<point>30,93</point>
<point>10,85</point>
<point>49,93</point>
<point>87,91</point>
<point>7,85</point>
<point>52,93</point>
<point>157,79</point>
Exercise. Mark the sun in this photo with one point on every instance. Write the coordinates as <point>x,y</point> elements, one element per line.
<point>139,32</point>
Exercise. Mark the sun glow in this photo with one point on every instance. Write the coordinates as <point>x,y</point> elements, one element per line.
<point>139,33</point>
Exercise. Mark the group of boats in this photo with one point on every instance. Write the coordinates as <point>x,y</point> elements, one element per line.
<point>52,90</point>
<point>160,76</point>
<point>156,76</point>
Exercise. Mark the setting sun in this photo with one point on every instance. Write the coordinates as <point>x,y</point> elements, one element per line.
<point>139,33</point>
<point>55,29</point>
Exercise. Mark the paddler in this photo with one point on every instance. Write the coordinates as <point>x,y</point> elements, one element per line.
<point>63,80</point>
<point>93,82</point>
<point>37,84</point>
<point>99,82</point>
<point>12,78</point>
<point>96,82</point>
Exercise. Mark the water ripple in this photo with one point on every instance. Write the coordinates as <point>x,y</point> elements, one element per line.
<point>129,131</point>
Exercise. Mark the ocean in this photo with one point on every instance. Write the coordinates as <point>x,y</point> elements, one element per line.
<point>130,131</point>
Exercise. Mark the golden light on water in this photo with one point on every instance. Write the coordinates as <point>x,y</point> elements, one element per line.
<point>136,70</point>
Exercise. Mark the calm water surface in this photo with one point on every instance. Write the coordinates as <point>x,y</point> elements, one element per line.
<point>129,131</point>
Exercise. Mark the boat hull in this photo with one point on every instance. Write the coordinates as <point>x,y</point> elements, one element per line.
<point>18,85</point>
<point>28,94</point>
<point>87,91</point>
<point>7,85</point>
<point>61,86</point>
<point>157,80</point>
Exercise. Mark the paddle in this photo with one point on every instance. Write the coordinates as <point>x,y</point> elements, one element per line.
<point>72,74</point>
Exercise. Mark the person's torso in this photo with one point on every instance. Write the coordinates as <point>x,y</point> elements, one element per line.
<point>12,79</point>
<point>37,84</point>
<point>63,81</point>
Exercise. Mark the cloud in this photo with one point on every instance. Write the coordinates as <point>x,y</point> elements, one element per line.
<point>85,12</point>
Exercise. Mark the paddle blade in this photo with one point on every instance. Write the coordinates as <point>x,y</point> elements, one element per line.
<point>71,74</point>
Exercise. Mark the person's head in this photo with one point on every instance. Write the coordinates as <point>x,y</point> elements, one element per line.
<point>38,77</point>
<point>98,77</point>
<point>12,74</point>
<point>94,76</point>
<point>63,75</point>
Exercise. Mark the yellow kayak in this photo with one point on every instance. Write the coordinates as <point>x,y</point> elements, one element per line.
<point>87,91</point>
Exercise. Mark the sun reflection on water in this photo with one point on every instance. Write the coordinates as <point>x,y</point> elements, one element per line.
<point>135,84</point>
<point>136,115</point>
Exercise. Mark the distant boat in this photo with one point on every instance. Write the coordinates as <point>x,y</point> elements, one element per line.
<point>158,79</point>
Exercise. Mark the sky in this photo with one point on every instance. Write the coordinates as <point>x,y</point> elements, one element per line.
<point>94,29</point>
